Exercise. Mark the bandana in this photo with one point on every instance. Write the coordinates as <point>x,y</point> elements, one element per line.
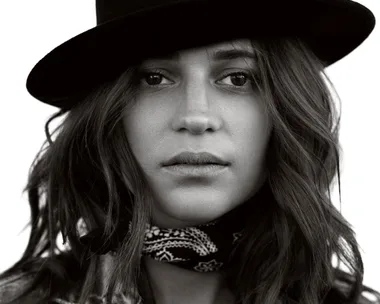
<point>203,248</point>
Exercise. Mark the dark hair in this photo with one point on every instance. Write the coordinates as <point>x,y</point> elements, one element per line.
<point>89,172</point>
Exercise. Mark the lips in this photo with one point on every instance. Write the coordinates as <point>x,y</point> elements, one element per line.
<point>190,158</point>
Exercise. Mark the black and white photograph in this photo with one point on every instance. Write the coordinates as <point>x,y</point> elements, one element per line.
<point>190,152</point>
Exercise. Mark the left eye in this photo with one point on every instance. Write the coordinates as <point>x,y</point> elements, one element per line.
<point>238,79</point>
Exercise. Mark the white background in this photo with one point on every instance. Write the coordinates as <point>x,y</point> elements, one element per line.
<point>30,29</point>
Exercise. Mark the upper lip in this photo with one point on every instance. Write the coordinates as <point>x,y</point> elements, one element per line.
<point>201,158</point>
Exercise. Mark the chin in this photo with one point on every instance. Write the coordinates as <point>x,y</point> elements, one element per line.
<point>190,209</point>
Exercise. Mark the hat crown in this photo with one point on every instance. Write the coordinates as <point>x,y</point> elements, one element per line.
<point>107,10</point>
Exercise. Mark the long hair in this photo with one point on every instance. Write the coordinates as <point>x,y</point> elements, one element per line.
<point>89,173</point>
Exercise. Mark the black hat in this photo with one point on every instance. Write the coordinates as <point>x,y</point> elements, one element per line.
<point>128,31</point>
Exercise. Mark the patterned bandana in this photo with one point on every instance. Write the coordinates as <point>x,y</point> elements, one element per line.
<point>203,248</point>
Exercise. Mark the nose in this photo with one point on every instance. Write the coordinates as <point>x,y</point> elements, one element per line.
<point>195,112</point>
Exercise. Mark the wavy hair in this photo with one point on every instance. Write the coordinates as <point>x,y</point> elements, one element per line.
<point>89,173</point>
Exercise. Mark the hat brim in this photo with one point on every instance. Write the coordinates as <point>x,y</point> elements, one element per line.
<point>332,29</point>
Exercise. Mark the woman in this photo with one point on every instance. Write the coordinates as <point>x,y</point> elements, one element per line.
<point>192,168</point>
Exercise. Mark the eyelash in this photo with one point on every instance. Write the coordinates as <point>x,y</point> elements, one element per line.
<point>144,74</point>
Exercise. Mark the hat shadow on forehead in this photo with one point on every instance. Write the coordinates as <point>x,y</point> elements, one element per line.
<point>222,50</point>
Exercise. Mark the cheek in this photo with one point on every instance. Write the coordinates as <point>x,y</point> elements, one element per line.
<point>250,125</point>
<point>250,136</point>
<point>141,119</point>
<point>143,124</point>
<point>135,130</point>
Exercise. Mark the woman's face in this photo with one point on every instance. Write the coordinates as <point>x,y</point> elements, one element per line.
<point>198,104</point>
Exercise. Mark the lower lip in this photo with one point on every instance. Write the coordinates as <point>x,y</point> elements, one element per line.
<point>196,170</point>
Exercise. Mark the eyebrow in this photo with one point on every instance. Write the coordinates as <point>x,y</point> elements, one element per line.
<point>218,55</point>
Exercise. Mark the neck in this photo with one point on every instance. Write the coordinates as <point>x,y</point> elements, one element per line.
<point>171,284</point>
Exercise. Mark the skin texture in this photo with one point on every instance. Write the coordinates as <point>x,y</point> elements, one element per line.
<point>196,107</point>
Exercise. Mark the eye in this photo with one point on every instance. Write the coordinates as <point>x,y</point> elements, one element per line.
<point>156,78</point>
<point>237,79</point>
<point>153,78</point>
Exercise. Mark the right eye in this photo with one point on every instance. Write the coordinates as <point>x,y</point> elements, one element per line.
<point>153,78</point>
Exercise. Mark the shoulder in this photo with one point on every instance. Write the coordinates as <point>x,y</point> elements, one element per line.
<point>12,285</point>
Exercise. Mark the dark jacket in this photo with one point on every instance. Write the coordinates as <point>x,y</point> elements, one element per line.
<point>11,285</point>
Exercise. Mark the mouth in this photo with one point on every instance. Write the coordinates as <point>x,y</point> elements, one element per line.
<point>198,170</point>
<point>195,159</point>
<point>196,165</point>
